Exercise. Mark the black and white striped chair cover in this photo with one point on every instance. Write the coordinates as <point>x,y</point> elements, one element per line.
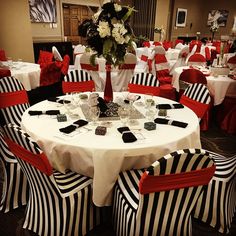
<point>59,204</point>
<point>144,83</point>
<point>77,80</point>
<point>15,186</point>
<point>197,98</point>
<point>13,100</point>
<point>217,205</point>
<point>160,200</point>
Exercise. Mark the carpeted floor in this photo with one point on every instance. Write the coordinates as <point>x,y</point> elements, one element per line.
<point>214,140</point>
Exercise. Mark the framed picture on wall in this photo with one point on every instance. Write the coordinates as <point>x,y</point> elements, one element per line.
<point>217,15</point>
<point>181,17</point>
<point>42,10</point>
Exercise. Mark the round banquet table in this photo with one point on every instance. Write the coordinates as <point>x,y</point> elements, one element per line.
<point>104,157</point>
<point>219,86</point>
<point>27,73</point>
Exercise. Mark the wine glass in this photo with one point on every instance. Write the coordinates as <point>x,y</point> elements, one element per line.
<point>94,113</point>
<point>67,106</point>
<point>123,113</point>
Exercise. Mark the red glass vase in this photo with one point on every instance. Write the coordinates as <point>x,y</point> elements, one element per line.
<point>108,92</point>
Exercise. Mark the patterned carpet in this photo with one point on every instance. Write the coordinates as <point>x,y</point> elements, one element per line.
<point>214,140</point>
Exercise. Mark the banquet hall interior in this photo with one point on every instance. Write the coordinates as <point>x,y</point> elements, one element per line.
<point>171,74</point>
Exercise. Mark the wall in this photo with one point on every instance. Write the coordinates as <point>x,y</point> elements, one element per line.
<point>15,29</point>
<point>198,14</point>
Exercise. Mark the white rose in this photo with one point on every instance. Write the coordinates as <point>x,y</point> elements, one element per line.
<point>117,7</point>
<point>104,29</point>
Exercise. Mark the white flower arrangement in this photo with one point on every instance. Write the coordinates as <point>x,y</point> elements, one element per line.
<point>214,27</point>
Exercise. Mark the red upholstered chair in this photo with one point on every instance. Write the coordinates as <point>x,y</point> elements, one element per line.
<point>4,72</point>
<point>45,57</point>
<point>197,98</point>
<point>167,45</point>
<point>77,80</point>
<point>155,43</point>
<point>162,69</point>
<point>197,59</point>
<point>146,44</point>
<point>2,55</point>
<point>179,41</point>
<point>195,42</point>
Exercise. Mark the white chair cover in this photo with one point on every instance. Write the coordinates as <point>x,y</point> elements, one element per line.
<point>57,56</point>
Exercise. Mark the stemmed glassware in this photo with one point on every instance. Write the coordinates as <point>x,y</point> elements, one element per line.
<point>123,113</point>
<point>94,113</point>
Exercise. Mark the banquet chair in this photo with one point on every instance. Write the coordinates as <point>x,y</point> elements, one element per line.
<point>4,73</point>
<point>192,52</point>
<point>232,62</point>
<point>125,73</point>
<point>77,80</point>
<point>92,70</point>
<point>160,199</point>
<point>196,59</point>
<point>197,98</point>
<point>217,205</point>
<point>3,55</point>
<point>193,43</point>
<point>143,61</point>
<point>59,203</point>
<point>13,100</point>
<point>45,57</point>
<point>144,83</point>
<point>15,192</point>
<point>57,56</point>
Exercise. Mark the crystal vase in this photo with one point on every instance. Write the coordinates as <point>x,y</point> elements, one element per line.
<point>108,92</point>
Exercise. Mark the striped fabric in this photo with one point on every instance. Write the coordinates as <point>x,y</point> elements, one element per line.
<point>59,204</point>
<point>13,113</point>
<point>77,80</point>
<point>217,205</point>
<point>198,92</point>
<point>164,212</point>
<point>15,189</point>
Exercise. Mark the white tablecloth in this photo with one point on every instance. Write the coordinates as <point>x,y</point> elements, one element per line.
<point>219,86</point>
<point>27,73</point>
<point>104,157</point>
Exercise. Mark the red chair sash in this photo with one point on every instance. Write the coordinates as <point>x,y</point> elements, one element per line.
<point>208,54</point>
<point>160,58</point>
<point>146,44</point>
<point>150,183</point>
<point>39,161</point>
<point>127,67</point>
<point>89,67</point>
<point>199,108</point>
<point>143,89</point>
<point>68,87</point>
<point>13,98</point>
<point>144,58</point>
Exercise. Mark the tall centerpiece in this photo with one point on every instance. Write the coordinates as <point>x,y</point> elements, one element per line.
<point>109,35</point>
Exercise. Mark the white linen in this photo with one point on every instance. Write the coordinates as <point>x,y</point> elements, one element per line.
<point>27,73</point>
<point>104,157</point>
<point>219,86</point>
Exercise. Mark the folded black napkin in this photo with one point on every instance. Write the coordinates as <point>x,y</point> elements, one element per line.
<point>127,135</point>
<point>48,112</point>
<point>102,105</point>
<point>75,125</point>
<point>170,122</point>
<point>169,106</point>
<point>58,100</point>
<point>128,101</point>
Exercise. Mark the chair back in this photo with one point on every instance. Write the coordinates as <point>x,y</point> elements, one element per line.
<point>193,43</point>
<point>45,57</point>
<point>192,76</point>
<point>159,50</point>
<point>2,55</point>
<point>169,190</point>
<point>197,98</point>
<point>167,45</point>
<point>177,41</point>
<point>13,100</point>
<point>92,70</point>
<point>197,59</point>
<point>4,73</point>
<point>57,56</point>
<point>146,44</point>
<point>162,66</point>
<point>144,83</point>
<point>125,73</point>
<point>77,80</point>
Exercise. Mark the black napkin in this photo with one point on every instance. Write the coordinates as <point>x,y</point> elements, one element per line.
<point>58,100</point>
<point>171,122</point>
<point>127,101</point>
<point>48,112</point>
<point>169,106</point>
<point>70,128</point>
<point>127,135</point>
<point>102,105</point>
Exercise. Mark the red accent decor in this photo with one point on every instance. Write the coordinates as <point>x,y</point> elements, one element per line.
<point>156,44</point>
<point>68,87</point>
<point>179,41</point>
<point>144,58</point>
<point>2,55</point>
<point>195,42</point>
<point>89,67</point>
<point>199,108</point>
<point>207,53</point>
<point>39,161</point>
<point>45,57</point>
<point>108,93</point>
<point>150,65</point>
<point>150,184</point>
<point>4,73</point>
<point>167,45</point>
<point>137,88</point>
<point>197,57</point>
<point>65,65</point>
<point>146,44</point>
<point>127,67</point>
<point>13,98</point>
